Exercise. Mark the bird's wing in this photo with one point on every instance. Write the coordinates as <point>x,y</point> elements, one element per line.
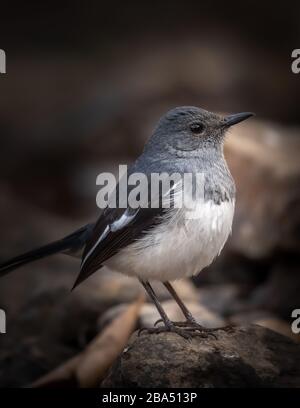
<point>115,229</point>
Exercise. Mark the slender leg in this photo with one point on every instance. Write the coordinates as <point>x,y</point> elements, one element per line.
<point>190,323</point>
<point>187,314</point>
<point>168,324</point>
<point>155,300</point>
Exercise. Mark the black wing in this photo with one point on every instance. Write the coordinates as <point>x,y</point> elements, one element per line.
<point>118,227</point>
<point>115,229</point>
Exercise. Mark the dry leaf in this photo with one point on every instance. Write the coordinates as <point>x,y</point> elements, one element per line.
<point>104,349</point>
<point>60,376</point>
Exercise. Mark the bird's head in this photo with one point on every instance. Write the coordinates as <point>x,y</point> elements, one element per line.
<point>188,129</point>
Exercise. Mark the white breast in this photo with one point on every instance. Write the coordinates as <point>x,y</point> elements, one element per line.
<point>181,247</point>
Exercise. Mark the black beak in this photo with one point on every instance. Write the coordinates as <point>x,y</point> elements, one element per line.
<point>237,118</point>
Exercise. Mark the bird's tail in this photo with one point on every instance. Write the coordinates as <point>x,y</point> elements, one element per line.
<point>70,243</point>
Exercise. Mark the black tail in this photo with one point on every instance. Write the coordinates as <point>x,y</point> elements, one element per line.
<point>72,242</point>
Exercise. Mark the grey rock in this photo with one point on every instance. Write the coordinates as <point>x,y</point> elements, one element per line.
<point>250,356</point>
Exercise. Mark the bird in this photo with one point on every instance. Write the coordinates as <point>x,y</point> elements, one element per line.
<point>162,242</point>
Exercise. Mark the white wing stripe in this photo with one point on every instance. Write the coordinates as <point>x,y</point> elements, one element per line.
<point>120,223</point>
<point>102,236</point>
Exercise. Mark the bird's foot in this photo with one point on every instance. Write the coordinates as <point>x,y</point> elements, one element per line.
<point>183,329</point>
<point>191,325</point>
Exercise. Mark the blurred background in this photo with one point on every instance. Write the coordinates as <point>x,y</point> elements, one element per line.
<point>85,84</point>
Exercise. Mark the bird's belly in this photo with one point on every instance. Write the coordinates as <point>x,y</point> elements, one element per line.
<point>176,250</point>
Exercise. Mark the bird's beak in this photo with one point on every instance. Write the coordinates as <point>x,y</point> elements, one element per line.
<point>237,118</point>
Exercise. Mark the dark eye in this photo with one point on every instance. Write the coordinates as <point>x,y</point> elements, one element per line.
<point>197,127</point>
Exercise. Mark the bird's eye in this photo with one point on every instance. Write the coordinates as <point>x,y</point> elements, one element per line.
<point>197,127</point>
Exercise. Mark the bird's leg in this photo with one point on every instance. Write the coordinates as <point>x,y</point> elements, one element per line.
<point>187,314</point>
<point>191,323</point>
<point>168,326</point>
<point>153,297</point>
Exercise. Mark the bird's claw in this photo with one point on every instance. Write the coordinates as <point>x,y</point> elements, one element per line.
<point>198,329</point>
<point>143,329</point>
<point>158,321</point>
<point>187,329</point>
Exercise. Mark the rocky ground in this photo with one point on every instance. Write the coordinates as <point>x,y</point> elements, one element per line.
<point>246,356</point>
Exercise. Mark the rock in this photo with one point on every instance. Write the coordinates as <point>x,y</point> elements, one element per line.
<point>249,356</point>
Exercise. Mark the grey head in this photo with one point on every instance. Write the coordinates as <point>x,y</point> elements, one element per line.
<point>186,131</point>
<point>190,139</point>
